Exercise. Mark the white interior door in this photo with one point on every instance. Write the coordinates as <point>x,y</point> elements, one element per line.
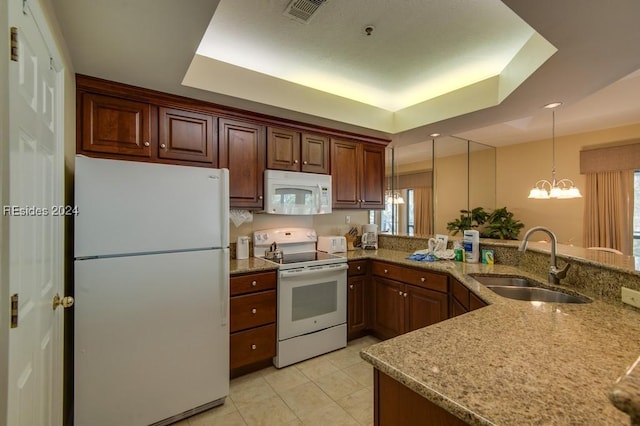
<point>35,236</point>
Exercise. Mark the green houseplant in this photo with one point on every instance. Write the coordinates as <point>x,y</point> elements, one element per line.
<point>499,224</point>
<point>469,219</point>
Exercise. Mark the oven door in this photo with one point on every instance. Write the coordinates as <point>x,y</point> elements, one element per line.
<point>311,299</point>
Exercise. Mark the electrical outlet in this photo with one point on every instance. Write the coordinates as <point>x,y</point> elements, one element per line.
<point>347,219</point>
<point>631,297</point>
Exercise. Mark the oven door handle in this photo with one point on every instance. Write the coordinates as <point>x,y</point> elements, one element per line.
<point>294,273</point>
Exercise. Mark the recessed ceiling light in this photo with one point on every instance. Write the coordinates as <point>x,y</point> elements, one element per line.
<point>552,105</point>
<point>434,135</point>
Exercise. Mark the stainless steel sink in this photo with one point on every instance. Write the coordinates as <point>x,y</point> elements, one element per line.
<point>493,280</point>
<point>520,288</point>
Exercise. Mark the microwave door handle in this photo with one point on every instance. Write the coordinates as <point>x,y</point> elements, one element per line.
<point>319,199</point>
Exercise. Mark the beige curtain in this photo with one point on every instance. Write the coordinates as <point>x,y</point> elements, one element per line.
<point>423,210</point>
<point>608,220</point>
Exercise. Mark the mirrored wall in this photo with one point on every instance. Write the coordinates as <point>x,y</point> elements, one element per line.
<point>429,182</point>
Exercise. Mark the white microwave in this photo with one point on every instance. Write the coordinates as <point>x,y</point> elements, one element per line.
<point>296,193</point>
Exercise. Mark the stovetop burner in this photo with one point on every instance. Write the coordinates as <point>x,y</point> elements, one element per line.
<point>298,246</point>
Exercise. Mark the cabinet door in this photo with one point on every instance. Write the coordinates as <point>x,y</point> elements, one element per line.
<point>372,177</point>
<point>475,302</point>
<point>314,153</point>
<point>388,309</point>
<point>283,149</point>
<point>424,307</point>
<point>115,126</point>
<point>457,308</point>
<point>242,151</point>
<point>187,135</point>
<point>356,315</point>
<point>344,172</point>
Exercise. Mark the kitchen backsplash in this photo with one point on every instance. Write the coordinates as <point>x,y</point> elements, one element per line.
<point>327,224</point>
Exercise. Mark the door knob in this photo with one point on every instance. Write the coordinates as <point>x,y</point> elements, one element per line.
<point>65,302</point>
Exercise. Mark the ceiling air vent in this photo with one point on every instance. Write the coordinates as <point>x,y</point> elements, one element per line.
<point>302,10</point>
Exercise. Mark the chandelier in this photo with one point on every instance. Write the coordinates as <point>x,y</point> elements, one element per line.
<point>563,188</point>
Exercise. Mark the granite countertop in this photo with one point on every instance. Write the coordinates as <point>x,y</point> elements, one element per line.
<point>516,362</point>
<point>252,264</point>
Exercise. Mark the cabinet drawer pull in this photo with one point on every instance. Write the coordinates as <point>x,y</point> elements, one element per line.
<point>146,143</point>
<point>351,286</point>
<point>295,161</point>
<point>254,283</point>
<point>359,268</point>
<point>254,311</point>
<point>305,163</point>
<point>386,271</point>
<point>405,294</point>
<point>423,279</point>
<point>254,347</point>
<point>163,146</point>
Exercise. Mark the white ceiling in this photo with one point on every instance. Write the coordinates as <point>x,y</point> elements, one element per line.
<point>152,43</point>
<point>411,69</point>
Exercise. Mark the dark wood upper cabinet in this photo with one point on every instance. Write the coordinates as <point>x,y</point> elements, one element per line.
<point>283,149</point>
<point>242,151</point>
<point>345,170</point>
<point>314,153</point>
<point>112,125</point>
<point>358,174</point>
<point>187,135</point>
<point>290,150</point>
<point>372,177</point>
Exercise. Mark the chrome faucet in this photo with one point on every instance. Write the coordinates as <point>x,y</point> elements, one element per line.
<point>555,273</point>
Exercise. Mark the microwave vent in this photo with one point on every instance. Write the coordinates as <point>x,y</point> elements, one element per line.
<point>302,10</point>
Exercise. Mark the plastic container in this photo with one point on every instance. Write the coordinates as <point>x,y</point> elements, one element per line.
<point>242,249</point>
<point>471,244</point>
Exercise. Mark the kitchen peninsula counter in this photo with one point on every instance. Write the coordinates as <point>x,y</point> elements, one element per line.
<point>514,362</point>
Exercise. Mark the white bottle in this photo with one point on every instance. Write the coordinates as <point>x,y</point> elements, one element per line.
<point>471,244</point>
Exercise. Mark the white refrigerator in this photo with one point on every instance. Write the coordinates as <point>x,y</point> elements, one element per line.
<point>151,334</point>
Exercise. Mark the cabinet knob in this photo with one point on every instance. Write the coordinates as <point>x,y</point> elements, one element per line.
<point>254,283</point>
<point>254,347</point>
<point>305,162</point>
<point>295,161</point>
<point>359,267</point>
<point>146,143</point>
<point>351,286</point>
<point>400,293</point>
<point>423,279</point>
<point>163,146</point>
<point>254,310</point>
<point>259,197</point>
<point>405,294</point>
<point>386,271</point>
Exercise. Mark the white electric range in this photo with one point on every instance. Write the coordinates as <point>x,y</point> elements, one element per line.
<point>312,294</point>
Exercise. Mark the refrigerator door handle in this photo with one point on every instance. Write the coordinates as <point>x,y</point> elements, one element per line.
<point>224,289</point>
<point>224,205</point>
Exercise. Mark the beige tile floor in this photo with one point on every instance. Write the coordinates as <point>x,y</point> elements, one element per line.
<point>332,389</point>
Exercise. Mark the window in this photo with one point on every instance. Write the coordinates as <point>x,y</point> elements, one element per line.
<point>411,228</point>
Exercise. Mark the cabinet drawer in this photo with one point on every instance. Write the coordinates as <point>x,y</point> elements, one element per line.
<point>252,310</point>
<point>357,267</point>
<point>257,344</point>
<point>460,293</point>
<point>416,277</point>
<point>253,282</point>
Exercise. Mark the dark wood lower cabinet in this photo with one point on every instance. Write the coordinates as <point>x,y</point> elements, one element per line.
<point>397,405</point>
<point>251,346</point>
<point>399,308</point>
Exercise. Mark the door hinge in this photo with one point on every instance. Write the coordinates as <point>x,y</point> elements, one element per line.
<point>14,44</point>
<point>14,311</point>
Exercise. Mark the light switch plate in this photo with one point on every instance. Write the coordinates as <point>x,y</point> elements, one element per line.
<point>631,297</point>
